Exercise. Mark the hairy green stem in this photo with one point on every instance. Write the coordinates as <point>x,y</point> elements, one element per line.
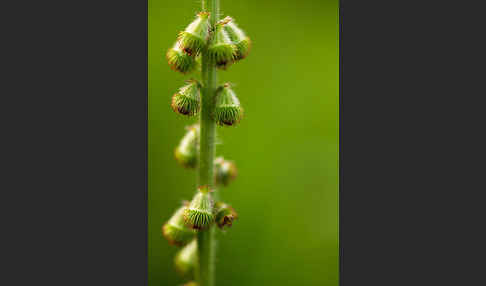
<point>206,239</point>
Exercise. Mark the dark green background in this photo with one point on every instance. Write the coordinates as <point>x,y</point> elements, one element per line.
<point>286,148</point>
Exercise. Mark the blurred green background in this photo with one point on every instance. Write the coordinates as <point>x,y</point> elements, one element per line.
<point>286,147</point>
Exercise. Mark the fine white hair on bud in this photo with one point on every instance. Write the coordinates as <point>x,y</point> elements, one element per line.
<point>193,39</point>
<point>238,37</point>
<point>221,50</point>
<point>186,152</point>
<point>199,213</point>
<point>186,100</point>
<point>175,230</point>
<point>180,61</point>
<point>228,110</point>
<point>185,260</point>
<point>224,171</point>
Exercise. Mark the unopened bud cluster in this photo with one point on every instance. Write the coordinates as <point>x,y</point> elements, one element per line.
<point>202,210</point>
<point>224,44</point>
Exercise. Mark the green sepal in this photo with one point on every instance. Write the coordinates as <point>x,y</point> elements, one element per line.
<point>243,48</point>
<point>228,110</point>
<point>238,37</point>
<point>180,61</point>
<point>175,230</point>
<point>199,213</point>
<point>187,100</point>
<point>186,152</point>
<point>186,259</point>
<point>221,50</point>
<point>194,38</point>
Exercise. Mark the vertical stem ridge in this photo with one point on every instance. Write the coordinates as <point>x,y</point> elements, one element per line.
<point>206,239</point>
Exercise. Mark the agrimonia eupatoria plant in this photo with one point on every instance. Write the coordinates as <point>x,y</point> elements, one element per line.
<point>206,44</point>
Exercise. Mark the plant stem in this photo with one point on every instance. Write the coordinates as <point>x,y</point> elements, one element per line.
<point>206,239</point>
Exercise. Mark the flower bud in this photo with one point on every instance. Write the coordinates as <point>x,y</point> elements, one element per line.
<point>186,259</point>
<point>225,215</point>
<point>194,37</point>
<point>224,171</point>
<point>175,230</point>
<point>228,110</point>
<point>238,37</point>
<point>180,61</point>
<point>199,213</point>
<point>186,100</point>
<point>186,151</point>
<point>221,50</point>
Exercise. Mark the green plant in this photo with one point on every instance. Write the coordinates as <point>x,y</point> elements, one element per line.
<point>208,44</point>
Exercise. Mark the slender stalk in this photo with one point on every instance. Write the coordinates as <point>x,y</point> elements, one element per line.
<point>206,239</point>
